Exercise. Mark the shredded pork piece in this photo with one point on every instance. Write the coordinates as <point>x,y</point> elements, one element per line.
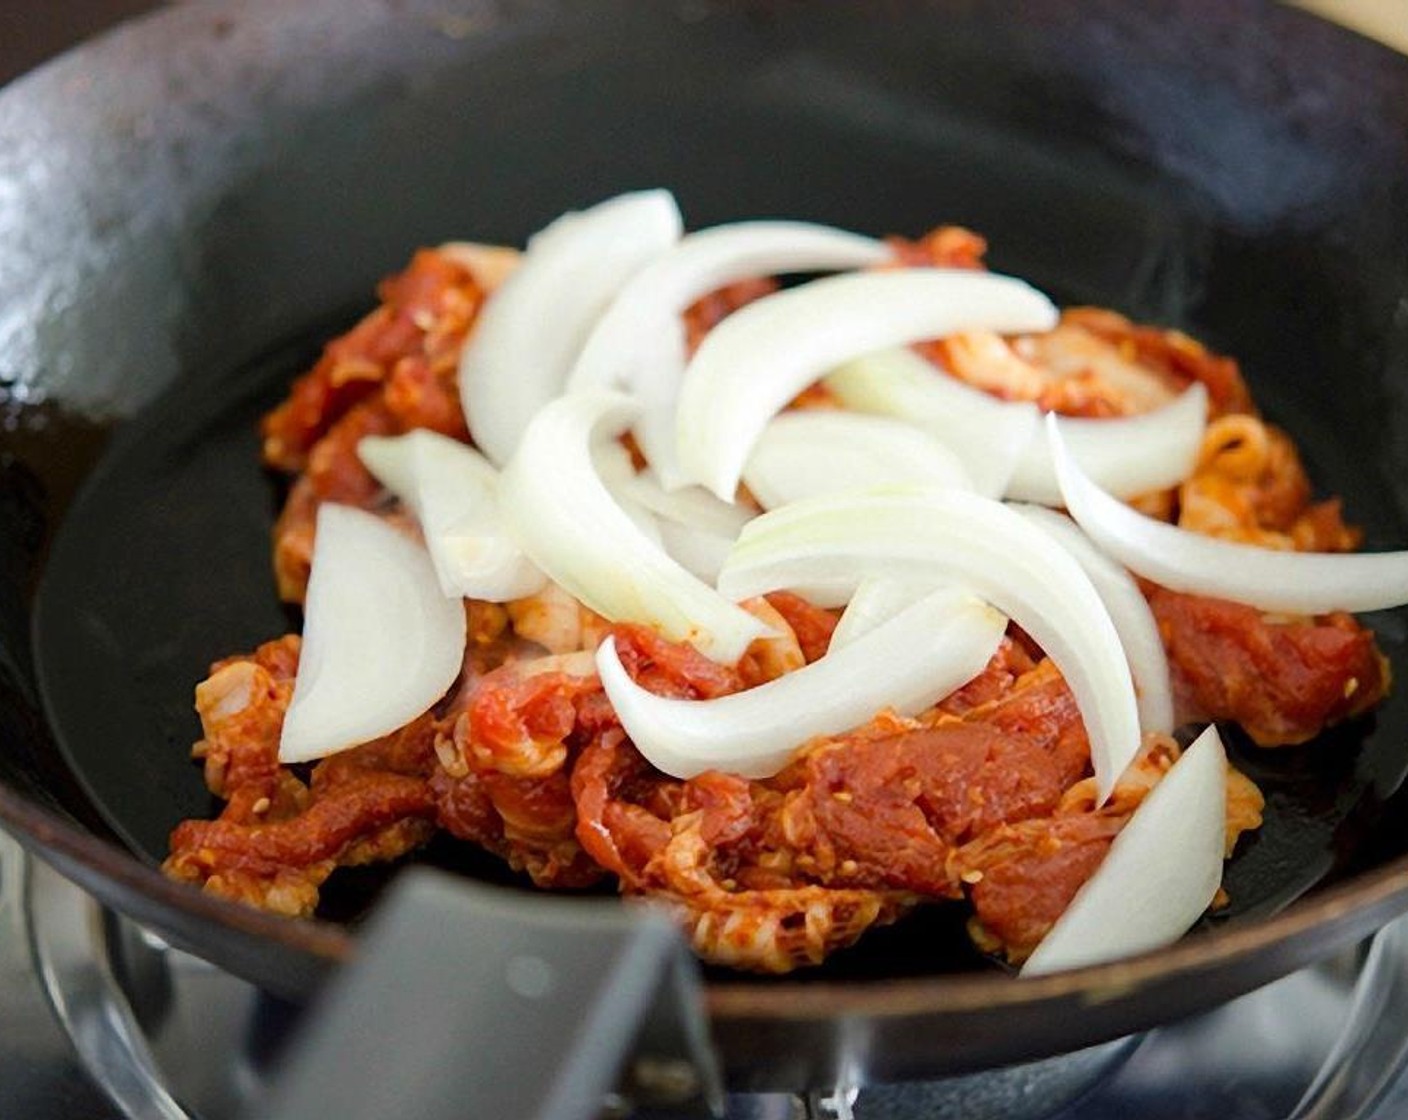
<point>395,371</point>
<point>1022,877</point>
<point>705,313</point>
<point>811,625</point>
<point>279,837</point>
<point>1283,679</point>
<point>943,247</point>
<point>1249,486</point>
<point>768,658</point>
<point>555,620</point>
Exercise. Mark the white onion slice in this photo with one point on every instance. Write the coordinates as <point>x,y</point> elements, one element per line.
<point>453,491</point>
<point>381,643</point>
<point>532,328</point>
<point>694,527</point>
<point>927,651</point>
<point>612,461</point>
<point>1129,611</point>
<point>827,545</point>
<point>690,505</point>
<point>989,436</point>
<point>566,520</point>
<point>639,343</point>
<point>615,467</point>
<point>877,599</point>
<point>691,525</point>
<point>1159,875</point>
<point>1268,579</point>
<point>701,552</point>
<point>1125,455</point>
<point>763,355</point>
<point>640,517</point>
<point>819,451</point>
<point>701,263</point>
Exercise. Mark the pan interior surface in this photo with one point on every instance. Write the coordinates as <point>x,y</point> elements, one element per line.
<point>1149,165</point>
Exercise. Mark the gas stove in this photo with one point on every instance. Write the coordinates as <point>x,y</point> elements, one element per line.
<point>100,1020</point>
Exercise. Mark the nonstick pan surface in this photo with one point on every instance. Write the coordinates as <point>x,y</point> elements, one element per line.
<point>192,205</point>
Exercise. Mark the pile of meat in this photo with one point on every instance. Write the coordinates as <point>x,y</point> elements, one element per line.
<point>986,796</point>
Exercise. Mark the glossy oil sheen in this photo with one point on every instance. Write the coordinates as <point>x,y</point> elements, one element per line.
<point>202,198</point>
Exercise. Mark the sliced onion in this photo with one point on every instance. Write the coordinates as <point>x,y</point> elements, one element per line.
<point>639,344</point>
<point>701,552</point>
<point>701,263</point>
<point>1268,579</point>
<point>615,467</point>
<point>564,518</point>
<point>453,491</point>
<point>531,330</point>
<point>827,545</point>
<point>988,435</point>
<point>1159,875</point>
<point>877,599</point>
<point>612,461</point>
<point>695,528</point>
<point>1126,456</point>
<point>930,649</point>
<point>381,642</point>
<point>690,505</point>
<point>1129,611</point>
<point>819,451</point>
<point>763,355</point>
<point>640,517</point>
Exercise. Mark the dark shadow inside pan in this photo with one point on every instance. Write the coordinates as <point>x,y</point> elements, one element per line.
<point>162,563</point>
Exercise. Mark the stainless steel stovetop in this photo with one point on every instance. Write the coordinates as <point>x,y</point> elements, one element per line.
<point>100,1020</point>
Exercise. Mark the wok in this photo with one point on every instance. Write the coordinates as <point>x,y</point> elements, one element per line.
<point>192,203</point>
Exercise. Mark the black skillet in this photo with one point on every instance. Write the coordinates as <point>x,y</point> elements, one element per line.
<point>187,207</point>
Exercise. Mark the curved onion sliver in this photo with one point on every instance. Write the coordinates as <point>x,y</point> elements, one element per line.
<point>988,435</point>
<point>565,519</point>
<point>531,329</point>
<point>454,493</point>
<point>639,343</point>
<point>1126,455</point>
<point>381,642</point>
<point>824,546</point>
<point>1129,611</point>
<point>702,262</point>
<point>763,355</point>
<point>1270,580</point>
<point>819,451</point>
<point>689,505</point>
<point>1159,875</point>
<point>701,552</point>
<point>615,467</point>
<point>694,527</point>
<point>877,599</point>
<point>931,648</point>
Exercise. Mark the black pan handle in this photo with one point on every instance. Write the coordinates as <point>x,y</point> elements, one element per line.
<point>471,1001</point>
